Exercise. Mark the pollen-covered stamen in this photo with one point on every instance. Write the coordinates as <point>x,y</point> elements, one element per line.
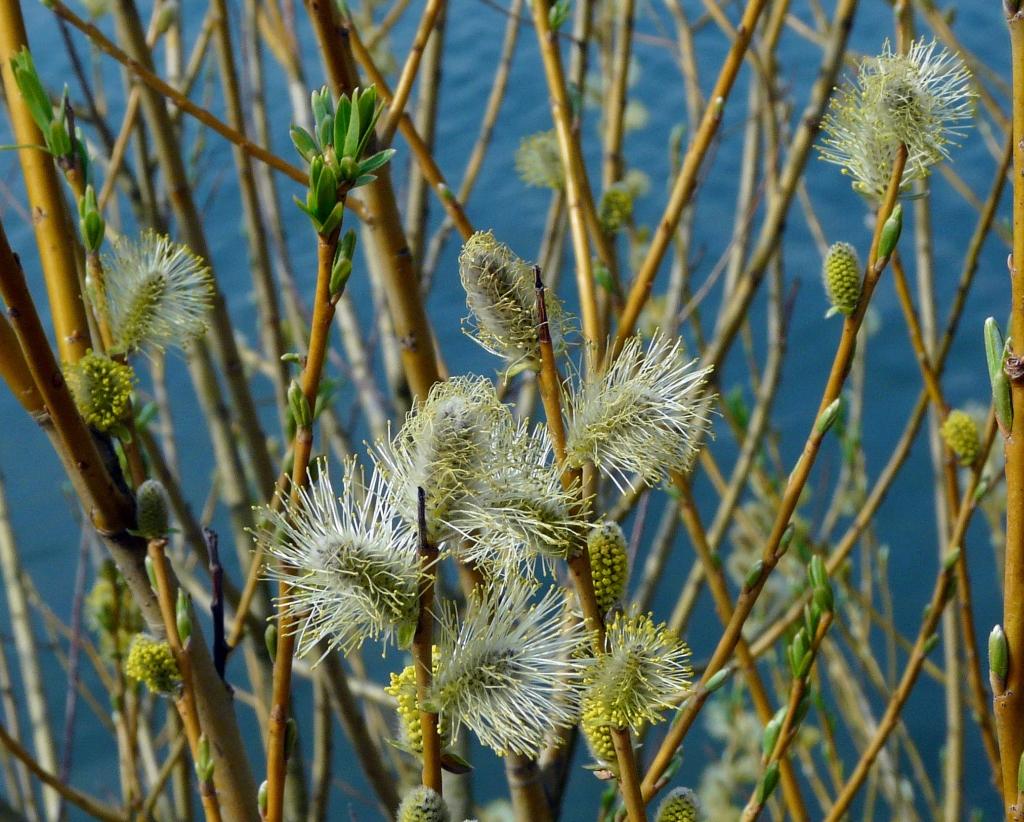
<point>156,294</point>
<point>643,672</point>
<point>645,415</point>
<point>351,567</point>
<point>921,99</point>
<point>501,295</point>
<point>506,670</point>
<point>520,510</point>
<point>101,388</point>
<point>443,448</point>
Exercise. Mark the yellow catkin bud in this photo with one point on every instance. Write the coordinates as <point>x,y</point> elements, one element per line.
<point>102,389</point>
<point>609,563</point>
<point>403,689</point>
<point>961,435</point>
<point>152,662</point>
<point>423,804</point>
<point>680,805</point>
<point>598,734</point>
<point>151,509</point>
<point>841,274</point>
<point>616,208</point>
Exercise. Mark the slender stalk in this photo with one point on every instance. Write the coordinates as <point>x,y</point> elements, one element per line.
<point>255,232</point>
<point>936,606</point>
<point>323,316</point>
<point>1009,706</point>
<point>579,562</point>
<point>794,488</point>
<point>423,651</point>
<point>153,82</point>
<point>91,806</point>
<point>791,724</point>
<point>420,150</point>
<point>27,649</point>
<point>577,186</point>
<point>185,700</point>
<point>412,328</point>
<point>686,181</point>
<point>396,105</point>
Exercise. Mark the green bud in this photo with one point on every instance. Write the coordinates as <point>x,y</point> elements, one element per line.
<point>90,221</point>
<point>320,102</point>
<point>261,799</point>
<point>767,783</point>
<point>558,14</point>
<point>771,732</point>
<point>996,350</point>
<point>151,572</point>
<point>753,575</point>
<point>824,598</point>
<point>151,510</point>
<point>348,168</point>
<point>167,18</point>
<point>994,345</point>
<point>717,680</point>
<point>817,571</point>
<point>998,660</point>
<point>785,540</point>
<point>270,639</point>
<point>891,233</point>
<point>183,617</point>
<point>828,417</point>
<point>929,644</point>
<point>204,762</point>
<point>299,405</point>
<point>1020,774</point>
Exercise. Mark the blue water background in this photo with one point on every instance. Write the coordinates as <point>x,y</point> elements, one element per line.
<point>46,529</point>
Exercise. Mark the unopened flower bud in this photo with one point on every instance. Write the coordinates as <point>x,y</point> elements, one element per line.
<point>960,433</point>
<point>679,805</point>
<point>152,662</point>
<point>183,618</point>
<point>891,232</point>
<point>423,804</point>
<point>609,563</point>
<point>841,275</point>
<point>151,510</point>
<point>299,405</point>
<point>767,783</point>
<point>998,660</point>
